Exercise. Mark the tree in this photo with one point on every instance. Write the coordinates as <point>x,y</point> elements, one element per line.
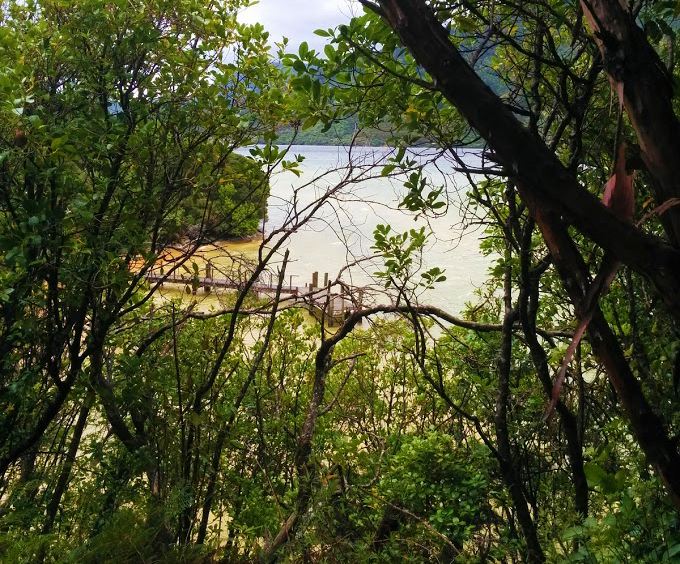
<point>131,430</point>
<point>118,119</point>
<point>545,165</point>
<point>539,177</point>
<point>114,115</point>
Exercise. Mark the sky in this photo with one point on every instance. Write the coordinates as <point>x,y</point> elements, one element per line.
<point>297,19</point>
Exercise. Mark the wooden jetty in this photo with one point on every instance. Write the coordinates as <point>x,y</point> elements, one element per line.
<point>319,300</point>
<point>208,284</point>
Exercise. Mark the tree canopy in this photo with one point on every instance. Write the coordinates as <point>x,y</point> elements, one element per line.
<point>137,431</point>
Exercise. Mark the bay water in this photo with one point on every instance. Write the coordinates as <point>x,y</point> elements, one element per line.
<point>358,198</point>
<point>343,229</point>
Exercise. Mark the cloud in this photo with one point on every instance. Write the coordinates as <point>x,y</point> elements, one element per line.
<point>297,19</point>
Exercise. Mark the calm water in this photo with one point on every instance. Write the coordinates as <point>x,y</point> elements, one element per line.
<point>342,231</point>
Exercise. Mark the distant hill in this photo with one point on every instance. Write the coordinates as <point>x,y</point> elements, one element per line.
<point>341,133</point>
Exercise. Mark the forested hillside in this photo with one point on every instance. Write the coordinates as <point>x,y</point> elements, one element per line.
<point>135,430</point>
<point>343,132</point>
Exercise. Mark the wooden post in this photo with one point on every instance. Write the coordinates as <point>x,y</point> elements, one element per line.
<point>329,309</point>
<point>315,280</point>
<point>208,276</point>
<point>325,279</point>
<point>361,305</point>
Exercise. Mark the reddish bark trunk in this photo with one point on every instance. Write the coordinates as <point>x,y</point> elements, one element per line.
<point>525,157</point>
<point>635,70</point>
<point>550,192</point>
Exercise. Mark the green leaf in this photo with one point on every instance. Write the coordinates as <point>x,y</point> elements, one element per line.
<point>594,474</point>
<point>310,122</point>
<point>299,66</point>
<point>57,142</point>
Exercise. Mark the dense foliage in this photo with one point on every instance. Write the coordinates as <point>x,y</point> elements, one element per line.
<point>235,206</point>
<point>134,431</point>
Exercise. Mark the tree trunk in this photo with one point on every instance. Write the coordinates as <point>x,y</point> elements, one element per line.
<point>511,478</point>
<point>550,191</point>
<point>67,466</point>
<point>636,71</point>
<point>534,167</point>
